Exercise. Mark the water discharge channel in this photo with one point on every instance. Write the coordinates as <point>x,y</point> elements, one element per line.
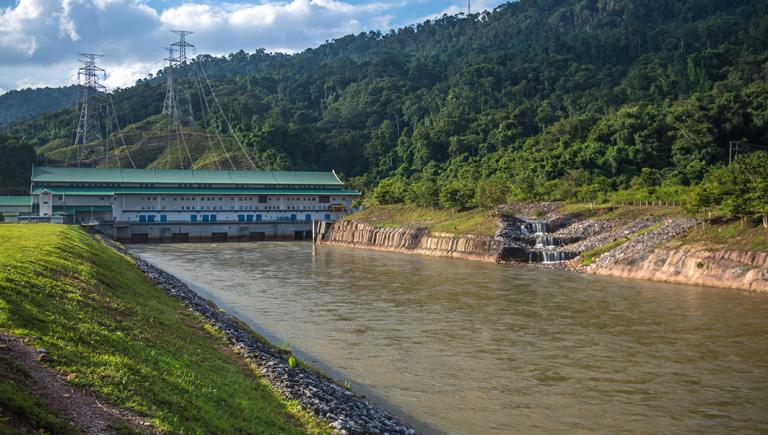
<point>466,347</point>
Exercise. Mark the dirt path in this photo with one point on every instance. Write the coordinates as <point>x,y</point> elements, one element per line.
<point>78,405</point>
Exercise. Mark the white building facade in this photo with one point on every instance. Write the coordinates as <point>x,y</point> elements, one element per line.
<point>196,202</point>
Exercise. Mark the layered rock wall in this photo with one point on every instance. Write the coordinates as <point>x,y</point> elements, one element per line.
<point>408,241</point>
<point>743,270</point>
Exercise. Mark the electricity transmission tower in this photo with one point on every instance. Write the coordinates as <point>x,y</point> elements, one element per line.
<point>169,105</point>
<point>177,101</point>
<point>88,127</point>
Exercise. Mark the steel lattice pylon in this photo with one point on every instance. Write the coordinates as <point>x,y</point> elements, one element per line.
<point>178,104</point>
<point>88,127</point>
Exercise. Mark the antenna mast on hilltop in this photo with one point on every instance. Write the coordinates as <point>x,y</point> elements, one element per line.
<point>88,78</point>
<point>469,7</point>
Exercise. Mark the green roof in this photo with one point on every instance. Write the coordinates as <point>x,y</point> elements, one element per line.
<point>109,191</point>
<point>180,176</point>
<point>16,201</point>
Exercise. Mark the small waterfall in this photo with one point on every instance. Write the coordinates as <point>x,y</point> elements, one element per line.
<point>533,228</point>
<point>544,250</point>
<point>557,256</point>
<point>544,241</point>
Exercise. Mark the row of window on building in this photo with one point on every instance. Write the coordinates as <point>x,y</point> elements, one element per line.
<point>260,198</point>
<point>212,218</point>
<point>242,207</point>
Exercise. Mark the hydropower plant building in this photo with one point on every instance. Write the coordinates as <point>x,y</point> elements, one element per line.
<point>139,205</point>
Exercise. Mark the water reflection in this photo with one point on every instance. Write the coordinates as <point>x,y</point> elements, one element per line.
<point>480,348</point>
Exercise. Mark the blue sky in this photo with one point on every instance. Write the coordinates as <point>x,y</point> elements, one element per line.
<point>40,39</point>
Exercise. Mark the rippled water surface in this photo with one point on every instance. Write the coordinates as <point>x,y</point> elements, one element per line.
<point>466,347</point>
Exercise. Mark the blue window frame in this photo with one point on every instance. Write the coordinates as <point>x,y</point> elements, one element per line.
<point>241,218</point>
<point>327,217</point>
<point>249,218</point>
<point>193,218</point>
<point>163,218</point>
<point>258,218</point>
<point>293,217</point>
<point>142,219</point>
<point>206,218</point>
<point>307,217</point>
<point>213,218</point>
<point>151,218</point>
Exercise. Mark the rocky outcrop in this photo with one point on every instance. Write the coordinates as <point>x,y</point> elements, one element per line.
<point>409,241</point>
<point>691,265</point>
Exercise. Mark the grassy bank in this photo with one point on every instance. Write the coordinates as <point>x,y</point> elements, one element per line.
<point>109,329</point>
<point>476,222</point>
<point>732,234</point>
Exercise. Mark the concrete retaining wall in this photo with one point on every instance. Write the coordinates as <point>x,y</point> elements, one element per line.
<point>218,232</point>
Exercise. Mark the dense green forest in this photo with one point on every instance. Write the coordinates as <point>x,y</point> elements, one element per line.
<point>25,103</point>
<point>16,160</point>
<point>539,99</point>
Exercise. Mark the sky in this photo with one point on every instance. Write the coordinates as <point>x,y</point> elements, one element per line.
<point>40,39</point>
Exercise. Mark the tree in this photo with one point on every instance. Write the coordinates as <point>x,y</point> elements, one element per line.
<point>16,160</point>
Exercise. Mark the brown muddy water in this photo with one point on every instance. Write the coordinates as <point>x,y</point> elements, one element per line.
<point>473,348</point>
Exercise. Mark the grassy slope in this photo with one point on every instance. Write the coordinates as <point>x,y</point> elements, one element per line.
<point>750,236</point>
<point>477,222</point>
<point>103,321</point>
<point>152,143</point>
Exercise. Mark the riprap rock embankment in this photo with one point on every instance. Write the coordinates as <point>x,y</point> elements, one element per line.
<point>346,412</point>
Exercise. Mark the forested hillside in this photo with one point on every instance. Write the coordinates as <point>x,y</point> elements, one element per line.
<point>25,103</point>
<point>550,99</point>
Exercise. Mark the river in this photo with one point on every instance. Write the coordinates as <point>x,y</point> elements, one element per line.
<point>473,348</point>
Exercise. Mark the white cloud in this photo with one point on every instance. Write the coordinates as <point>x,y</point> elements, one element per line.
<point>125,74</point>
<point>40,39</point>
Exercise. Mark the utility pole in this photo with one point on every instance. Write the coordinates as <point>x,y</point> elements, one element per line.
<point>469,7</point>
<point>88,78</point>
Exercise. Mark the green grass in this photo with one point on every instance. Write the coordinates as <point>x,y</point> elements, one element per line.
<point>100,319</point>
<point>475,222</point>
<point>628,212</point>
<point>728,235</point>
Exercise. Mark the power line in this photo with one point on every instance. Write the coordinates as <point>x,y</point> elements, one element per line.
<point>119,130</point>
<point>231,130</point>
